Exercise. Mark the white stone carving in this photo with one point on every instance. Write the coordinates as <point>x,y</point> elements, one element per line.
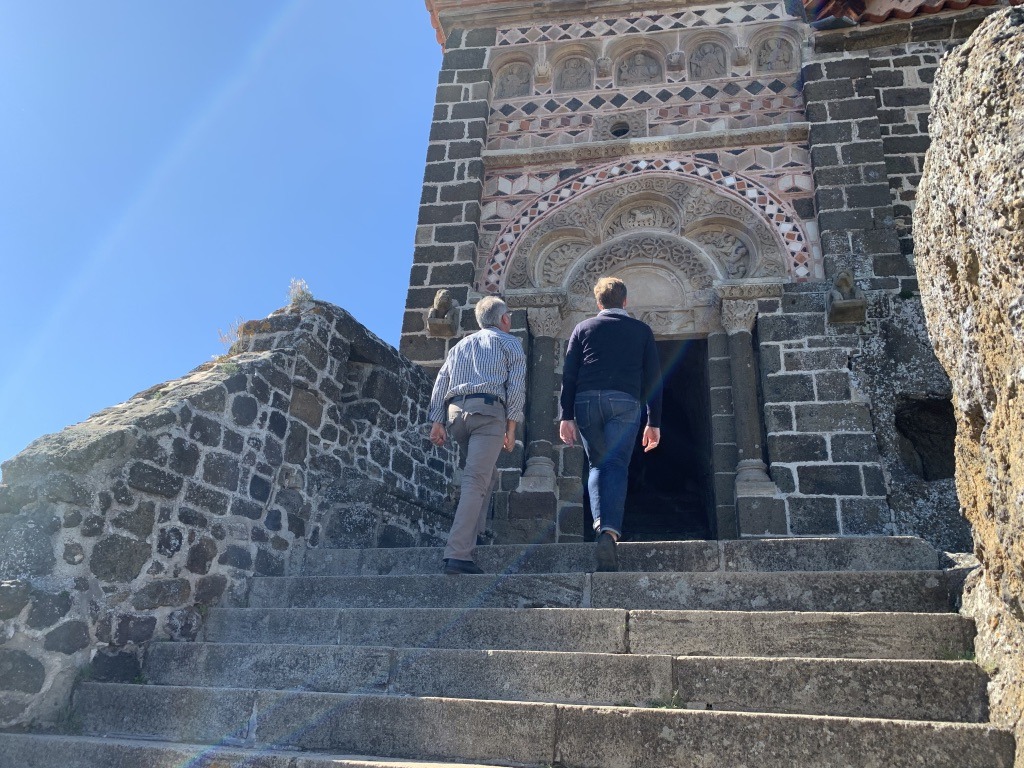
<point>574,74</point>
<point>708,62</point>
<point>775,55</point>
<point>645,215</point>
<point>512,81</point>
<point>638,68</point>
<point>545,321</point>
<point>738,315</point>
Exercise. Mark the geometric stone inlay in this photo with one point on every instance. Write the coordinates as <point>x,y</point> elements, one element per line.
<point>652,22</point>
<point>770,208</point>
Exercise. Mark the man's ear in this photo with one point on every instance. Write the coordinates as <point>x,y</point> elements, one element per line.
<point>624,303</point>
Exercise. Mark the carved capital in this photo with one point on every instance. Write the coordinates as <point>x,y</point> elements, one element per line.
<point>545,321</point>
<point>738,315</point>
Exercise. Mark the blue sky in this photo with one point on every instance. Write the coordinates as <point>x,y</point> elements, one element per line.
<point>168,166</point>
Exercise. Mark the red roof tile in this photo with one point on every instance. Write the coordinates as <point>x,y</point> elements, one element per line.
<point>881,10</point>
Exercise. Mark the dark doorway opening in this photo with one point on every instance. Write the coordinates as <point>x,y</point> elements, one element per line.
<point>671,489</point>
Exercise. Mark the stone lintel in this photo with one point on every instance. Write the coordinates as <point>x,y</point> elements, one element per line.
<point>576,153</point>
<point>536,297</point>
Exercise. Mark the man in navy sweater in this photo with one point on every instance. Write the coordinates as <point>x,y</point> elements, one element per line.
<point>611,374</point>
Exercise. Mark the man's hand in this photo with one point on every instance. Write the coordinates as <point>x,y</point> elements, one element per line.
<point>437,433</point>
<point>510,437</point>
<point>567,431</point>
<point>652,436</point>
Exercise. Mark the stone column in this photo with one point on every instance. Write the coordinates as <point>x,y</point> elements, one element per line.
<point>536,496</point>
<point>738,316</point>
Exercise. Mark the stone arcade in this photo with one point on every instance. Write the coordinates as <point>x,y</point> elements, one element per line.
<point>751,175</point>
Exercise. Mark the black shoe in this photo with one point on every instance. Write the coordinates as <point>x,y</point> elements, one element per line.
<point>607,559</point>
<point>453,567</point>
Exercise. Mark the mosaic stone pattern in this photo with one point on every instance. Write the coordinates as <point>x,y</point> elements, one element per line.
<point>671,110</point>
<point>795,233</point>
<point>688,19</point>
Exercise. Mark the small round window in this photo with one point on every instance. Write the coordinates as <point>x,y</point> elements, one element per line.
<point>619,130</point>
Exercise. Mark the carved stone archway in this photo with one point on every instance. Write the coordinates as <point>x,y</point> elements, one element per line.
<point>691,242</point>
<point>736,222</point>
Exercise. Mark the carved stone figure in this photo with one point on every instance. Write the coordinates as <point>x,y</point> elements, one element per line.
<point>513,81</point>
<point>775,56</point>
<point>638,69</point>
<point>441,320</point>
<point>576,75</point>
<point>676,61</point>
<point>707,62</point>
<point>604,67</point>
<point>646,216</point>
<point>737,261</point>
<point>846,302</point>
<point>542,72</point>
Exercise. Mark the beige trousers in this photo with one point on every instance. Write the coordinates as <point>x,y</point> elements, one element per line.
<point>479,429</point>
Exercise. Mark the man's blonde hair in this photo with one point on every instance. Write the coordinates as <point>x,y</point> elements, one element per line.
<point>610,292</point>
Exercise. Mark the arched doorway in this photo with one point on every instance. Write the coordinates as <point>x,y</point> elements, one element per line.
<point>683,238</point>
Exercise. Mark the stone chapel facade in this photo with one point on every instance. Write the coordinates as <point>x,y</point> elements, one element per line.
<point>749,170</point>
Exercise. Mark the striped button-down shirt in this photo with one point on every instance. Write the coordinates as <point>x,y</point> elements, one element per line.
<point>489,362</point>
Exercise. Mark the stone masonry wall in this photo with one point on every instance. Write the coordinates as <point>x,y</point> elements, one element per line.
<point>868,111</point>
<point>449,215</point>
<point>124,528</point>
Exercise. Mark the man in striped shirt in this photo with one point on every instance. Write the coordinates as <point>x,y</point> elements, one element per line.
<point>478,397</point>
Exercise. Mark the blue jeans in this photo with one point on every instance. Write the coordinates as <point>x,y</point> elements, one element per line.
<point>608,421</point>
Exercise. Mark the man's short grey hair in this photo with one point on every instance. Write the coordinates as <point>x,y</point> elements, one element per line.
<point>489,311</point>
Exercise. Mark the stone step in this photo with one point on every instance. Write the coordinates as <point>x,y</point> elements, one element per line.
<point>915,591</point>
<point>910,690</point>
<point>875,553</point>
<point>876,635</point>
<point>37,751</point>
<point>575,736</point>
<point>523,532</point>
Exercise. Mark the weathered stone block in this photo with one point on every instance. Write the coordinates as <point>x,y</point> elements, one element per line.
<point>866,516</point>
<point>118,559</point>
<point>830,479</point>
<point>47,609</point>
<point>790,327</point>
<point>828,417</point>
<point>220,470</point>
<point>68,638</point>
<point>149,479</point>
<point>27,547</point>
<point>200,556</point>
<point>20,672</point>
<point>138,521</point>
<point>760,515</point>
<point>213,501</point>
<point>797,448</point>
<point>813,516</point>
<point>162,592</point>
<point>789,387</point>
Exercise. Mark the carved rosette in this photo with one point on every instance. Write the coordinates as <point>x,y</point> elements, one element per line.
<point>738,315</point>
<point>545,321</point>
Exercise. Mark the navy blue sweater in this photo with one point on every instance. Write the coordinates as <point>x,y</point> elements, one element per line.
<point>612,351</point>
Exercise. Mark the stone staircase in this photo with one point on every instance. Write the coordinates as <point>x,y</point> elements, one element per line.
<point>805,653</point>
